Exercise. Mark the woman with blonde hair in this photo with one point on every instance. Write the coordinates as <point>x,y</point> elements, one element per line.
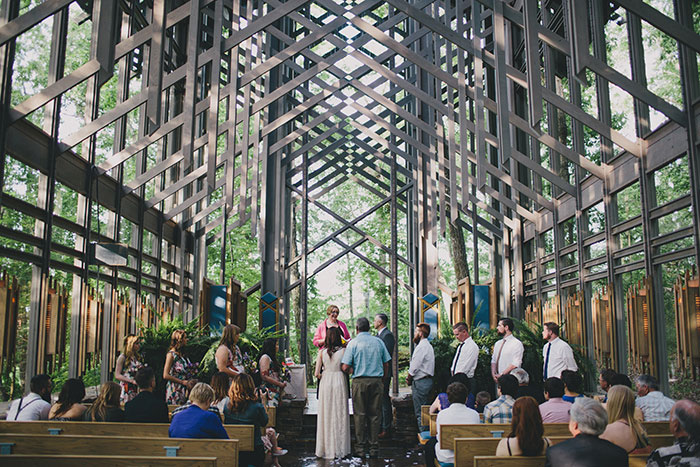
<point>623,428</point>
<point>177,370</point>
<point>244,408</point>
<point>228,356</point>
<point>106,407</point>
<point>331,322</point>
<point>128,363</point>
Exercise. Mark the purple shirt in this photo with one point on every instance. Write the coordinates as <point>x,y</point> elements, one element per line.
<point>555,410</point>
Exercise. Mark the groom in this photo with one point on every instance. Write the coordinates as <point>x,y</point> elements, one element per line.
<point>368,358</point>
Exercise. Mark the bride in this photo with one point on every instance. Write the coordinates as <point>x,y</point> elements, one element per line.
<point>333,424</point>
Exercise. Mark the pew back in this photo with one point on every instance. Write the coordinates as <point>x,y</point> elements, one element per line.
<point>468,448</point>
<point>635,460</point>
<point>243,433</point>
<point>499,430</point>
<point>225,451</point>
<point>23,460</point>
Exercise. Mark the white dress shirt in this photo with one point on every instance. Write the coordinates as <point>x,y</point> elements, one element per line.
<point>422,361</point>
<point>455,414</point>
<point>512,353</point>
<point>33,408</point>
<point>468,353</point>
<point>561,358</point>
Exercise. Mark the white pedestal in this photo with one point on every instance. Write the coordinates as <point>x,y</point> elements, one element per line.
<point>297,386</point>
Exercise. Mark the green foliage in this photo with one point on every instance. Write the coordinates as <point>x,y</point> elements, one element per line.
<point>156,342</point>
<point>685,388</point>
<point>60,376</point>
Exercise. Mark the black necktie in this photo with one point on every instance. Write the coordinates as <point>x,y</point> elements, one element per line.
<point>546,360</point>
<point>454,365</point>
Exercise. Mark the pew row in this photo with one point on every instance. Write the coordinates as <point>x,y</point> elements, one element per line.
<point>243,433</point>
<point>499,430</point>
<point>24,460</point>
<point>466,449</point>
<point>635,460</point>
<point>223,450</point>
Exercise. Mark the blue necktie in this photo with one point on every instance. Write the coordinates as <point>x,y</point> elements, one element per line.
<point>546,360</point>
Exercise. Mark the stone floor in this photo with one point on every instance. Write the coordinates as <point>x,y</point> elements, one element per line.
<point>301,452</point>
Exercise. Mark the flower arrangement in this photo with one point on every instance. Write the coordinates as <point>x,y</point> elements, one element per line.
<point>285,374</point>
<point>191,370</point>
<point>250,365</point>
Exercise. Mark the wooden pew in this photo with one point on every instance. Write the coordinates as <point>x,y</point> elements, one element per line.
<point>498,430</point>
<point>635,460</point>
<point>225,451</point>
<point>53,460</point>
<point>468,448</point>
<point>425,415</point>
<point>272,416</point>
<point>243,433</point>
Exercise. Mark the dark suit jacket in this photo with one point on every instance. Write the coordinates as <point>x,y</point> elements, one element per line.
<point>146,407</point>
<point>389,341</point>
<point>586,451</point>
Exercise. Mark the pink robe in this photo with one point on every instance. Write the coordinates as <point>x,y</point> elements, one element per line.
<point>320,336</point>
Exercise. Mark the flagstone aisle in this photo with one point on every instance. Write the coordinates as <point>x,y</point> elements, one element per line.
<point>301,452</point>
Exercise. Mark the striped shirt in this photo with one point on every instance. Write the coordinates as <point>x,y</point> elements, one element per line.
<point>500,410</point>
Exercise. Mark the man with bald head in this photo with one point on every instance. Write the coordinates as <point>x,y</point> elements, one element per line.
<point>685,427</point>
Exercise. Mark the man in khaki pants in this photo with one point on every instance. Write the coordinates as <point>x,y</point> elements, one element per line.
<point>368,358</point>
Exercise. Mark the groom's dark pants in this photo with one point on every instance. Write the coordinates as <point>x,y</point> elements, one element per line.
<point>367,410</point>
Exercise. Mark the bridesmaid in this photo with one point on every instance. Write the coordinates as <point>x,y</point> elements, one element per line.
<point>128,364</point>
<point>177,370</point>
<point>331,322</point>
<point>228,356</point>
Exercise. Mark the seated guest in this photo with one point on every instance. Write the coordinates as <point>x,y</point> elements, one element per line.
<point>36,404</point>
<point>244,408</point>
<point>573,385</point>
<point>441,401</point>
<point>586,449</point>
<point>621,378</point>
<point>106,407</point>
<point>526,436</point>
<point>197,421</point>
<point>623,429</point>
<point>685,427</point>
<point>68,407</point>
<point>456,413</point>
<point>501,410</point>
<point>220,383</point>
<point>524,387</point>
<point>556,409</point>
<point>482,399</point>
<point>606,381</point>
<point>146,407</point>
<point>654,405</point>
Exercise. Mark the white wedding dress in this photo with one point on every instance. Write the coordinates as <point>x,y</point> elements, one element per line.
<point>333,422</point>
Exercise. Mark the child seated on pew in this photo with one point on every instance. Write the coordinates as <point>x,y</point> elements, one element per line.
<point>482,400</point>
<point>196,421</point>
<point>68,407</point>
<point>244,408</point>
<point>106,407</point>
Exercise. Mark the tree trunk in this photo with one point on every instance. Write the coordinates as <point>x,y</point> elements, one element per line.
<point>458,251</point>
<point>295,294</point>
<point>352,314</point>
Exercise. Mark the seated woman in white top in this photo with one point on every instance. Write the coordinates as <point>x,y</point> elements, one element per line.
<point>526,434</point>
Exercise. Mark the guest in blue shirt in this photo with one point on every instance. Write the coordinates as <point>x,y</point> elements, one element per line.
<point>573,385</point>
<point>197,421</point>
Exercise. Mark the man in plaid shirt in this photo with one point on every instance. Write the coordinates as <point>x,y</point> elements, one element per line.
<point>501,410</point>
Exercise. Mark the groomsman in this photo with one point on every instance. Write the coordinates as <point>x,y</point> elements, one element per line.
<point>380,322</point>
<point>466,354</point>
<point>421,370</point>
<point>508,352</point>
<point>557,354</point>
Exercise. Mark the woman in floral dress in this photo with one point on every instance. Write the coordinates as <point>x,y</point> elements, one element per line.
<point>128,364</point>
<point>270,372</point>
<point>228,356</point>
<point>178,371</point>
